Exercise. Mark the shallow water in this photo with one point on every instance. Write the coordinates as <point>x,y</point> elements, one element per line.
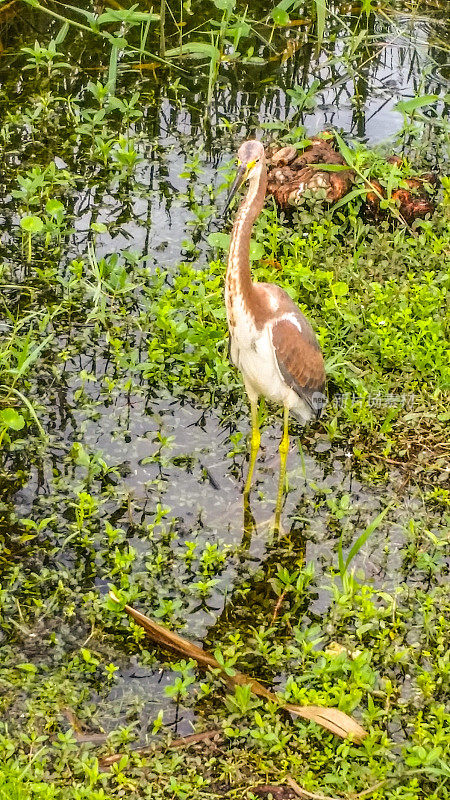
<point>194,475</point>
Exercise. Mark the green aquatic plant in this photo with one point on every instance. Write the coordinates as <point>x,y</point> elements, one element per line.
<point>121,422</point>
<point>31,225</point>
<point>344,564</point>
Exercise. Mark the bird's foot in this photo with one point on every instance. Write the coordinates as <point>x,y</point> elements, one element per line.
<point>272,524</point>
<point>253,528</point>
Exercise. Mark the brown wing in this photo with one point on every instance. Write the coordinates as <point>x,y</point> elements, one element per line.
<point>300,360</point>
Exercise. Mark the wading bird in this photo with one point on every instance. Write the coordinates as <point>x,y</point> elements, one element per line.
<point>271,342</point>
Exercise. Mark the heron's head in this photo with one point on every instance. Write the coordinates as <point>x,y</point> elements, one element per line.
<point>250,158</point>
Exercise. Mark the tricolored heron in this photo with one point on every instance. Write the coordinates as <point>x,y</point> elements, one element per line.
<point>271,342</point>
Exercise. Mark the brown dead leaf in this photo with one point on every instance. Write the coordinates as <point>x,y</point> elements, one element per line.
<point>9,10</point>
<point>272,263</point>
<point>336,649</point>
<point>293,789</point>
<point>330,718</point>
<point>303,793</point>
<point>294,23</point>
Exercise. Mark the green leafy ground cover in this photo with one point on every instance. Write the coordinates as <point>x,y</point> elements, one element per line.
<point>121,415</point>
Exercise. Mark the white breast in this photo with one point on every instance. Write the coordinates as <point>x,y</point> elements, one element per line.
<point>253,353</point>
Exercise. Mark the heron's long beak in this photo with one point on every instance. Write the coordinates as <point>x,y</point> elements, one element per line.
<point>238,181</point>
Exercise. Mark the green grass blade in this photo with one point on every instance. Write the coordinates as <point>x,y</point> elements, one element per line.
<point>32,357</point>
<point>341,559</point>
<point>112,71</point>
<point>362,539</point>
<point>348,197</point>
<point>62,34</point>
<point>344,149</point>
<point>321,10</point>
<point>26,402</point>
<point>409,106</point>
<point>162,29</point>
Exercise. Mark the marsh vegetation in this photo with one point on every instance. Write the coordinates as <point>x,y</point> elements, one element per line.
<point>123,426</point>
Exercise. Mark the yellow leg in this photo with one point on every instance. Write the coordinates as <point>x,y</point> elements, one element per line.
<point>254,447</point>
<point>284,449</point>
<point>249,525</point>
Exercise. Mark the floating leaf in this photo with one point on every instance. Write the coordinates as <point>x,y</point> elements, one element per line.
<point>31,224</point>
<point>256,251</point>
<point>79,455</point>
<point>219,240</point>
<point>279,16</point>
<point>10,418</point>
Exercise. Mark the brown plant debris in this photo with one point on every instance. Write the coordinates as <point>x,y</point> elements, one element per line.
<point>210,737</point>
<point>291,172</point>
<point>292,789</point>
<point>332,719</point>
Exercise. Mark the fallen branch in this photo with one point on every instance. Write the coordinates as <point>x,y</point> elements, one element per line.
<point>78,731</point>
<point>330,718</point>
<point>176,744</point>
<point>276,610</point>
<point>194,738</point>
<point>301,792</point>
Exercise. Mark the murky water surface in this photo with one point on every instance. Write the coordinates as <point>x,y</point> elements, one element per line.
<point>195,475</point>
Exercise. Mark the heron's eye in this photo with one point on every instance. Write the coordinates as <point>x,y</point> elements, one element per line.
<point>251,164</point>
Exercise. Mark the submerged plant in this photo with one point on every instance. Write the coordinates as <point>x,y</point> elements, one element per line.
<point>122,421</point>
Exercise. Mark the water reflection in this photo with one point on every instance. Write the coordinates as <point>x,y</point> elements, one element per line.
<point>360,76</point>
<point>159,214</point>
